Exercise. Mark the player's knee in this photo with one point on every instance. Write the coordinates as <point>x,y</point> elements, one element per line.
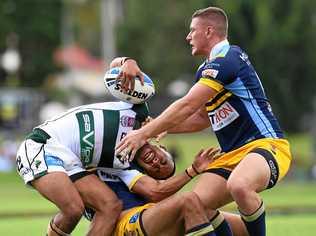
<point>110,205</point>
<point>238,187</point>
<point>74,210</point>
<point>191,201</point>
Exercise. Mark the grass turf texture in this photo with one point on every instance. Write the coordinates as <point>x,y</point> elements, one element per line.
<point>24,211</point>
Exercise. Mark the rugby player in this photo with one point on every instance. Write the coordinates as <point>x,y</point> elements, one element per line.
<point>175,215</point>
<point>229,97</point>
<point>65,146</point>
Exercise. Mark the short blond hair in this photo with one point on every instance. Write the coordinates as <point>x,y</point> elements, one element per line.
<point>216,16</point>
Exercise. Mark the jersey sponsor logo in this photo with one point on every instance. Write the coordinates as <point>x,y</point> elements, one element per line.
<point>104,176</point>
<point>127,121</point>
<point>134,218</point>
<point>53,161</point>
<point>209,73</point>
<point>86,129</point>
<point>222,116</point>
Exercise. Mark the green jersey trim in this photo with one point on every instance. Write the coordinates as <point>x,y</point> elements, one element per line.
<point>111,126</point>
<point>87,142</point>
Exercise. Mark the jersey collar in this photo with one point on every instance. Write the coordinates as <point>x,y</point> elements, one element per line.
<point>218,48</point>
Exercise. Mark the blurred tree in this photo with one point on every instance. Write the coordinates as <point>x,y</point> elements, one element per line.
<point>37,24</point>
<point>279,37</point>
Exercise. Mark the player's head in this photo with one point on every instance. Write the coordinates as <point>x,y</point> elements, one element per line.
<point>156,161</point>
<point>207,25</point>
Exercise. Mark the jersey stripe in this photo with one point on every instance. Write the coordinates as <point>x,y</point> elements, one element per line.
<point>86,129</point>
<point>254,110</point>
<point>111,124</point>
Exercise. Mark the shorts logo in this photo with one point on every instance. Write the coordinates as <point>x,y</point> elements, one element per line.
<point>53,161</point>
<point>274,171</point>
<point>209,73</point>
<point>222,116</point>
<point>37,163</point>
<point>127,121</point>
<point>21,168</point>
<point>134,218</point>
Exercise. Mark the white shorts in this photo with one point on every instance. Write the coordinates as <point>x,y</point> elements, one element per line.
<point>37,159</point>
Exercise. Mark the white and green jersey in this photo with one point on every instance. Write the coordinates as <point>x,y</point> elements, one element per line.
<point>92,131</point>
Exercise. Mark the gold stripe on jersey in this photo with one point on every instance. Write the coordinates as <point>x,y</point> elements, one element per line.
<point>211,83</point>
<point>215,102</point>
<point>135,179</point>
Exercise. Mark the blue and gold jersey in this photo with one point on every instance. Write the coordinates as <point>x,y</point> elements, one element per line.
<point>240,112</point>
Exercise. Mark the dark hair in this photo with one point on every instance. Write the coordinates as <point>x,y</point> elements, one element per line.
<point>216,16</point>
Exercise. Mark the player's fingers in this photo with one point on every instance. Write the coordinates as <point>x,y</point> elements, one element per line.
<point>141,77</point>
<point>121,146</point>
<point>200,153</point>
<point>132,155</point>
<point>161,136</point>
<point>132,83</point>
<point>120,75</point>
<point>123,83</point>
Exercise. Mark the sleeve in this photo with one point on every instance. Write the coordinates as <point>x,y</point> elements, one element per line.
<point>130,177</point>
<point>219,72</point>
<point>142,111</point>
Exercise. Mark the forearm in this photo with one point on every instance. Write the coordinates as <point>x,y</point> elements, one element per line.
<point>194,123</point>
<point>170,186</point>
<point>176,113</point>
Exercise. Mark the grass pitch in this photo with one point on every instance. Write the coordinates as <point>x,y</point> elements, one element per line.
<point>291,206</point>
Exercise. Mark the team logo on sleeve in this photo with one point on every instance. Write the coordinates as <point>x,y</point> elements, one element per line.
<point>127,121</point>
<point>209,73</point>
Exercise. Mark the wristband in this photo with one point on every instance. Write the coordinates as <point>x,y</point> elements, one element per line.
<point>195,170</point>
<point>186,171</point>
<point>125,59</point>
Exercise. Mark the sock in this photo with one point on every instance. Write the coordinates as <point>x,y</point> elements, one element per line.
<point>205,229</point>
<point>255,222</point>
<point>220,225</point>
<point>53,230</point>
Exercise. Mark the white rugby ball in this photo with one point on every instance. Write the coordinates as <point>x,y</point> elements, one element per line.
<point>140,94</point>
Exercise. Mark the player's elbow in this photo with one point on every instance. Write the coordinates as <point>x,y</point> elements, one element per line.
<point>155,196</point>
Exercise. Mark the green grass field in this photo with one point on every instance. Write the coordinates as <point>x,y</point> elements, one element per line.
<point>291,206</point>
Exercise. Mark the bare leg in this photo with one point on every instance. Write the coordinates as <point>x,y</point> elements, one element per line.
<point>211,189</point>
<point>98,196</point>
<point>237,225</point>
<point>250,176</point>
<point>174,215</point>
<point>58,189</point>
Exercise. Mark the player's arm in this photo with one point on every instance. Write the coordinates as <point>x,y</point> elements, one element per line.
<point>156,190</point>
<point>194,123</point>
<point>176,113</point>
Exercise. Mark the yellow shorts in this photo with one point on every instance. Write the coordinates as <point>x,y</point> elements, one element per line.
<point>131,222</point>
<point>275,151</point>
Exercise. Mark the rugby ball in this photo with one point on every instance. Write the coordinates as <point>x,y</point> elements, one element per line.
<point>140,94</point>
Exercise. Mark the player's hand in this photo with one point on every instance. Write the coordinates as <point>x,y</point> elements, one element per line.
<point>204,158</point>
<point>130,70</point>
<point>130,144</point>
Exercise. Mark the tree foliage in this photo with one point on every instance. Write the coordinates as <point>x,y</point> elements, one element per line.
<point>279,37</point>
<point>37,24</point>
